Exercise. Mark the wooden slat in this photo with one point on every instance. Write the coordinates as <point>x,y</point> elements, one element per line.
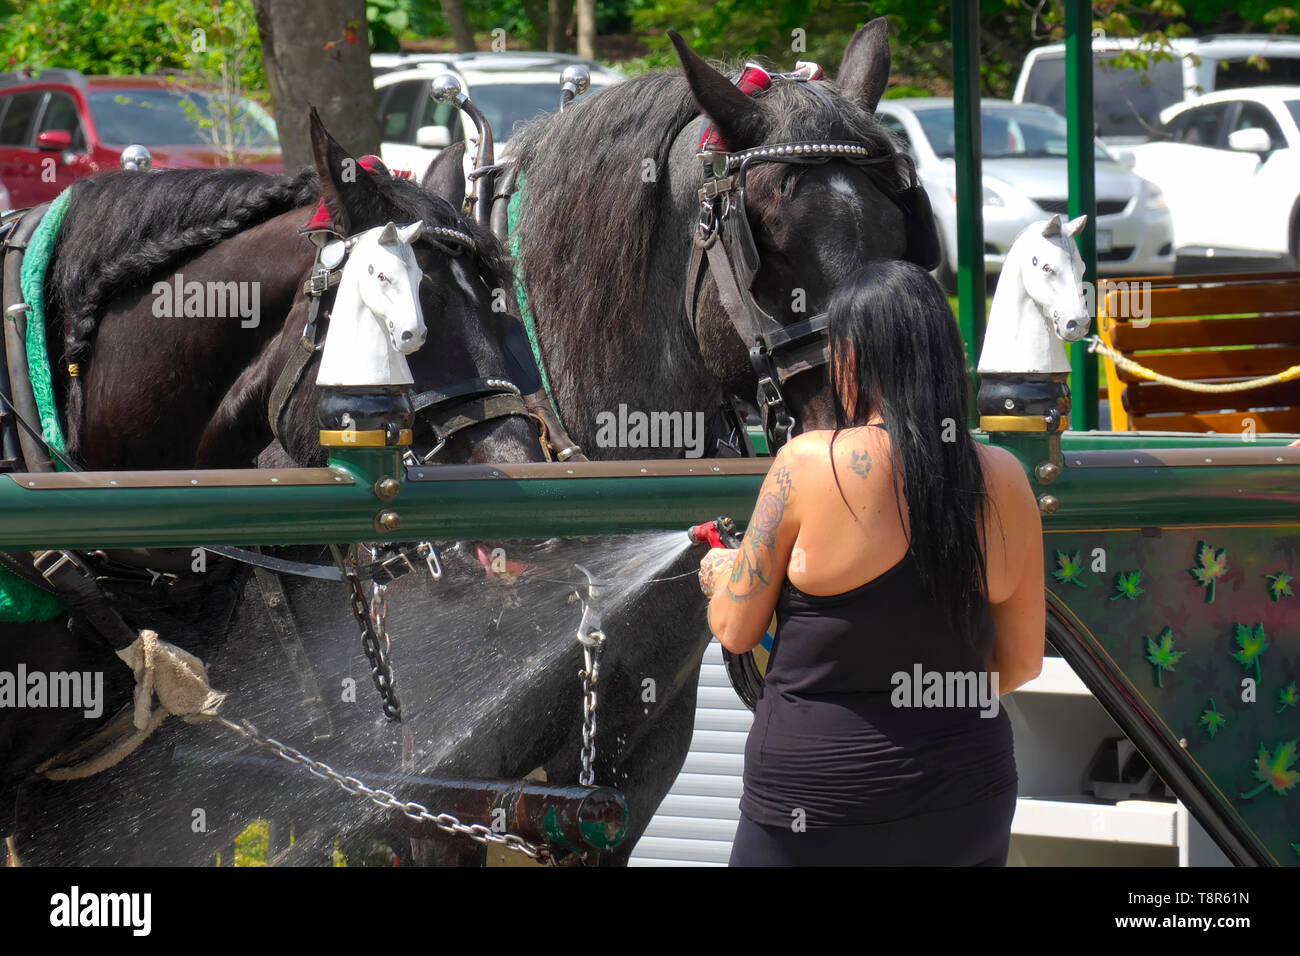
<point>1195,296</point>
<point>1148,398</point>
<point>1279,329</point>
<point>1200,366</point>
<point>1210,278</point>
<point>1287,420</point>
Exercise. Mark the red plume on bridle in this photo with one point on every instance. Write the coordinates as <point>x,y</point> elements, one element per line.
<point>371,163</point>
<point>754,79</point>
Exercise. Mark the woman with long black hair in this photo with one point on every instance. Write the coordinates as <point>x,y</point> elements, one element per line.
<point>904,562</point>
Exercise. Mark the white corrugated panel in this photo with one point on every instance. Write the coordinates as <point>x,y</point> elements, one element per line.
<point>696,822</point>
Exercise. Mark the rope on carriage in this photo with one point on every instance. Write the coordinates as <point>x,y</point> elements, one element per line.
<point>178,680</point>
<point>1095,344</point>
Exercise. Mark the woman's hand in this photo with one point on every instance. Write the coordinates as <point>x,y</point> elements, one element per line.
<point>715,568</point>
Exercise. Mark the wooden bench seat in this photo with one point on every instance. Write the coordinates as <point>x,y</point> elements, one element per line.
<point>1207,328</point>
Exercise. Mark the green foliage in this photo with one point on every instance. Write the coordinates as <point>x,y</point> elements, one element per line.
<point>127,37</point>
<point>1287,697</point>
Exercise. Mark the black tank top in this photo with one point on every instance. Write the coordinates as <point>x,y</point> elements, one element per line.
<point>831,744</point>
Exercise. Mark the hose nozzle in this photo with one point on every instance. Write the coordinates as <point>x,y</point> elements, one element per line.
<point>718,533</point>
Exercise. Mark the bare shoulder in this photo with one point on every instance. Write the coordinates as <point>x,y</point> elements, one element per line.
<point>1008,486</point>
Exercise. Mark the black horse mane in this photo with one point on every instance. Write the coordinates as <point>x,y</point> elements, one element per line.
<point>590,217</point>
<point>124,228</point>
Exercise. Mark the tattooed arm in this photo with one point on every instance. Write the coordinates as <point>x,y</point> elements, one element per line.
<point>742,603</point>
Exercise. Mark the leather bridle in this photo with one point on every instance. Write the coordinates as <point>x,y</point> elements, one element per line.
<point>725,242</point>
<point>445,410</point>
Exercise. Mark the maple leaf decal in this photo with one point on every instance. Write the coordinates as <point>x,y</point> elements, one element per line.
<point>1068,568</point>
<point>1275,771</point>
<point>1212,720</point>
<point>1279,585</point>
<point>1287,697</point>
<point>1162,655</point>
<point>1210,566</point>
<point>1127,586</point>
<point>1252,643</point>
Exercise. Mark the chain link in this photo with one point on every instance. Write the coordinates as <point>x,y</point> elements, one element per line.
<point>592,644</point>
<point>443,821</point>
<point>375,642</point>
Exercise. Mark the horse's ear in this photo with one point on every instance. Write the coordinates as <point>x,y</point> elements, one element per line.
<point>738,118</point>
<point>1075,226</point>
<point>445,176</point>
<point>346,189</point>
<point>1052,228</point>
<point>864,71</point>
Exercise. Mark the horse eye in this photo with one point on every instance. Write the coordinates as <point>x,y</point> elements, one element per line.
<point>382,277</point>
<point>1046,268</point>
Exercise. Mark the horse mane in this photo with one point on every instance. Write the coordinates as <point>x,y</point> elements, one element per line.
<point>590,216</point>
<point>124,228</point>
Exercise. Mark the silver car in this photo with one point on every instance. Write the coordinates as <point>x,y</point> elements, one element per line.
<point>1025,179</point>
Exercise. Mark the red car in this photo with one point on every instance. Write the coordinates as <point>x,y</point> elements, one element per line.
<point>62,125</point>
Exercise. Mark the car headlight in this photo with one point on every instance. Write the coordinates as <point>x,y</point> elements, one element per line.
<point>1155,198</point>
<point>990,197</point>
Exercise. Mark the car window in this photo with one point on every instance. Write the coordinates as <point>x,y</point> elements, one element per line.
<point>1125,102</point>
<point>1005,131</point>
<point>16,130</point>
<point>442,114</point>
<point>1203,126</point>
<point>165,117</point>
<point>507,104</point>
<point>1243,72</point>
<point>1293,107</point>
<point>61,114</point>
<point>1256,116</point>
<point>399,106</point>
<point>895,126</point>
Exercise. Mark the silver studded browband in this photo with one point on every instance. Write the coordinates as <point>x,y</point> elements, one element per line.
<point>854,151</point>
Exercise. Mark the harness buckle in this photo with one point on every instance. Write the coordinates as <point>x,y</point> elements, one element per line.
<point>320,281</point>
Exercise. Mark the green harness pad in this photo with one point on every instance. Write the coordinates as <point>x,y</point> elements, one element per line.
<point>521,296</point>
<point>19,601</point>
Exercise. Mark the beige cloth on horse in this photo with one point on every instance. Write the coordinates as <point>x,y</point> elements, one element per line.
<point>178,680</point>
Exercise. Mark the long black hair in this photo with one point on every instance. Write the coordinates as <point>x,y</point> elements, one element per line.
<point>892,327</point>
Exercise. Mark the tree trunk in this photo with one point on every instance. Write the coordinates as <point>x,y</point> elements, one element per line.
<point>587,29</point>
<point>557,22</point>
<point>535,11</point>
<point>315,53</point>
<point>453,11</point>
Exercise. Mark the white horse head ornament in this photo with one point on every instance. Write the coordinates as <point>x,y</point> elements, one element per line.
<point>1039,302</point>
<point>376,319</point>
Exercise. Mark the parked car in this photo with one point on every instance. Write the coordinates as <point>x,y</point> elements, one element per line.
<point>82,123</point>
<point>1025,179</point>
<point>6,203</point>
<point>508,87</point>
<point>1127,103</point>
<point>1229,166</point>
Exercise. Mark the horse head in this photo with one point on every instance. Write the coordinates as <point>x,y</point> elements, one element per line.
<point>1051,271</point>
<point>1039,302</point>
<point>443,268</point>
<point>815,215</point>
